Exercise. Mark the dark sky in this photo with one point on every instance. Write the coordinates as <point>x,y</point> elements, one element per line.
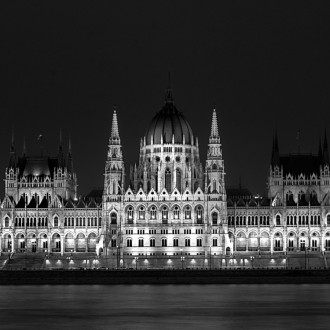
<point>265,64</point>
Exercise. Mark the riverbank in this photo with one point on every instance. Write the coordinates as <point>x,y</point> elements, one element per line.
<point>110,277</point>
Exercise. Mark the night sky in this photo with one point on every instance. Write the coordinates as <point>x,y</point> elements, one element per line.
<point>265,64</point>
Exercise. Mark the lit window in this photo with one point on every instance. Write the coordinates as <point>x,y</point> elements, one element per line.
<point>176,212</point>
<point>142,213</point>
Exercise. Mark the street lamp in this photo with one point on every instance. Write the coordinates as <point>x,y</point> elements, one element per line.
<point>252,259</point>
<point>136,262</point>
<point>306,258</point>
<point>182,259</point>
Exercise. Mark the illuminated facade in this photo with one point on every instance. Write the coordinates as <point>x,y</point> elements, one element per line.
<point>170,206</point>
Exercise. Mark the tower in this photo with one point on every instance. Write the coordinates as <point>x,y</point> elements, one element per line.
<point>114,177</point>
<point>215,189</point>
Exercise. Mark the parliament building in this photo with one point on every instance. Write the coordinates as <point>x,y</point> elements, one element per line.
<point>170,209</point>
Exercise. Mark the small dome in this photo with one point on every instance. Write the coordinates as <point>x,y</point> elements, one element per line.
<point>168,122</point>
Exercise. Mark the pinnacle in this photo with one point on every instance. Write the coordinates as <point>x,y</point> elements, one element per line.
<point>114,128</point>
<point>214,126</point>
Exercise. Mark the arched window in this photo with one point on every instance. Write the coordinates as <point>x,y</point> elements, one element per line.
<point>328,219</point>
<point>56,222</point>
<point>129,242</point>
<point>164,242</point>
<point>187,212</point>
<point>187,242</point>
<point>153,213</point>
<point>214,218</point>
<point>152,242</point>
<point>214,188</point>
<point>6,222</point>
<point>168,180</point>
<point>141,243</point>
<point>278,220</point>
<point>142,213</point>
<point>178,179</point>
<point>130,213</point>
<point>113,218</point>
<point>199,213</point>
<point>164,213</point>
<point>176,212</point>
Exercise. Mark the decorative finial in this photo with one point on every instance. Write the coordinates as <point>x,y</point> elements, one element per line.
<point>169,94</point>
<point>214,126</point>
<point>114,127</point>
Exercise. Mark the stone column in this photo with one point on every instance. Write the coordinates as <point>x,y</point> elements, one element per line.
<point>12,243</point>
<point>322,248</point>
<point>62,245</point>
<point>86,244</point>
<point>271,244</point>
<point>49,245</point>
<point>284,243</point>
<point>0,245</point>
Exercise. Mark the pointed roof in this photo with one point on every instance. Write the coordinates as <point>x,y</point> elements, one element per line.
<point>32,204</point>
<point>114,127</point>
<point>92,204</point>
<point>21,203</point>
<point>69,204</point>
<point>44,203</point>
<point>326,159</point>
<point>12,156</point>
<point>214,126</point>
<point>241,203</point>
<point>275,151</point>
<point>169,93</point>
<point>81,204</point>
<point>320,152</point>
<point>24,147</point>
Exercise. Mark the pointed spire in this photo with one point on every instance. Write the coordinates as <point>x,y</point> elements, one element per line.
<point>114,127</point>
<point>326,158</point>
<point>275,152</point>
<point>214,126</point>
<point>69,157</point>
<point>169,94</point>
<point>12,156</point>
<point>24,147</point>
<point>320,153</point>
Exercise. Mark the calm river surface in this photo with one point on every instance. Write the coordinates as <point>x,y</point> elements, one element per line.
<point>165,307</point>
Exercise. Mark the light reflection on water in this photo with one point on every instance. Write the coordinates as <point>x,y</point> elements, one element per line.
<point>165,307</point>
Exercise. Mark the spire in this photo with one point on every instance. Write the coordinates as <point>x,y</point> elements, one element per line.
<point>326,160</point>
<point>320,153</point>
<point>69,157</point>
<point>275,151</point>
<point>114,127</point>
<point>12,156</point>
<point>169,94</point>
<point>60,151</point>
<point>214,126</point>
<point>24,147</point>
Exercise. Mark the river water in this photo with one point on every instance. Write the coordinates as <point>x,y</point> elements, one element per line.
<point>165,307</point>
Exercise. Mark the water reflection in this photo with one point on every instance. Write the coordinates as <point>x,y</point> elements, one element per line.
<point>165,306</point>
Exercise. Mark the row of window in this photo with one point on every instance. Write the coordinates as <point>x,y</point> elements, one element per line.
<point>164,212</point>
<point>43,222</point>
<point>243,220</point>
<point>162,231</point>
<point>163,242</point>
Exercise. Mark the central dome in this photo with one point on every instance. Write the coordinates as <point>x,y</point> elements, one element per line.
<point>169,122</point>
